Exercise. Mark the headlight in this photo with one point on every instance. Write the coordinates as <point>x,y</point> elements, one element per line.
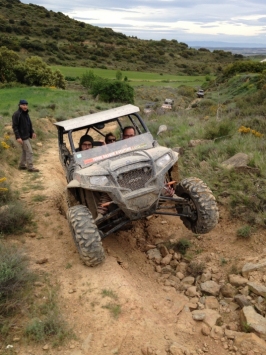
<point>161,162</point>
<point>98,180</point>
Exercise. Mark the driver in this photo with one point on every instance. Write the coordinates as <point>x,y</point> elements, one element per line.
<point>85,142</point>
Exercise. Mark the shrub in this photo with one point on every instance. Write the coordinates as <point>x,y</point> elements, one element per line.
<point>244,67</point>
<point>119,75</point>
<point>183,245</point>
<point>244,232</point>
<point>42,329</point>
<point>14,275</point>
<point>219,129</point>
<point>5,192</point>
<point>36,72</point>
<point>186,91</point>
<point>112,91</point>
<point>87,79</point>
<point>14,217</point>
<point>16,293</point>
<point>196,267</point>
<point>70,78</point>
<point>8,59</point>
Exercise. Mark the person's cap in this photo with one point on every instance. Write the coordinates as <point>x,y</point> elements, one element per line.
<point>23,102</point>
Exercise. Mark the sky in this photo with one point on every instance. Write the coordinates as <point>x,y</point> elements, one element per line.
<point>188,21</point>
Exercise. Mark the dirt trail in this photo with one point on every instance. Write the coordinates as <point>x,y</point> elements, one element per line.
<point>150,312</point>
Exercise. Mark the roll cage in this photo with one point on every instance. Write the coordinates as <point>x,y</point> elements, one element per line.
<point>97,121</point>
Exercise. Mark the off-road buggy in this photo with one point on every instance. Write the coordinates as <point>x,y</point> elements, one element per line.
<point>133,173</point>
<point>200,93</point>
<point>168,104</point>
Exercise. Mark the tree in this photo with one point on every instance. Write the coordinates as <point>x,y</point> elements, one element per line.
<point>58,80</point>
<point>8,59</point>
<point>37,72</point>
<point>34,71</point>
<point>87,79</point>
<point>119,75</point>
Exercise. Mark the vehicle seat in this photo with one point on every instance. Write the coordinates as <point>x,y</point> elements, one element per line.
<point>97,143</point>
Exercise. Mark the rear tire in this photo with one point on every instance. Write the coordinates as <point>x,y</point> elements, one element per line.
<point>86,235</point>
<point>202,202</point>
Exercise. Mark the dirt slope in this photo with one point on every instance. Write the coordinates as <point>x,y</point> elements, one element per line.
<point>153,317</point>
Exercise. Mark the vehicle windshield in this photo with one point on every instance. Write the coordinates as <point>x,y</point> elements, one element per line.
<point>108,151</point>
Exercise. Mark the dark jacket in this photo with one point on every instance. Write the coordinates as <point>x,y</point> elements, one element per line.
<point>22,125</point>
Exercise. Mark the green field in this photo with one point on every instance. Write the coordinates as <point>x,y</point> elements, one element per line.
<point>37,96</point>
<point>136,78</point>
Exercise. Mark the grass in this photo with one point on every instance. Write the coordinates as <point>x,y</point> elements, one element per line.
<point>46,322</point>
<point>246,327</point>
<point>67,105</point>
<point>13,272</point>
<point>14,215</point>
<point>17,296</point>
<point>223,261</point>
<point>182,245</point>
<point>113,307</point>
<point>109,293</point>
<point>36,187</point>
<point>136,78</point>
<point>244,232</point>
<point>39,198</point>
<point>50,327</point>
<point>68,266</point>
<point>14,218</point>
<point>248,205</point>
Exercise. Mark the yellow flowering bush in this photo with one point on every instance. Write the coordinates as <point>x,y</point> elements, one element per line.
<point>5,141</point>
<point>5,145</point>
<point>3,188</point>
<point>245,130</point>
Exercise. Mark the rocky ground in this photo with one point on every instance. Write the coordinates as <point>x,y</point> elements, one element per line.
<point>147,297</point>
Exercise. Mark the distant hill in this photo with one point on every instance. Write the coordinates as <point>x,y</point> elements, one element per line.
<point>32,30</point>
<point>216,44</point>
<point>245,49</point>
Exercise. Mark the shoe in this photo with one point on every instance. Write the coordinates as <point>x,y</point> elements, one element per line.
<point>22,168</point>
<point>33,170</point>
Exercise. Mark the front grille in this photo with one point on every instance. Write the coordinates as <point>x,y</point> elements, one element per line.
<point>134,179</point>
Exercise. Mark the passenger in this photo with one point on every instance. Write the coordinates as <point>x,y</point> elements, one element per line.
<point>128,132</point>
<point>110,138</point>
<point>85,142</point>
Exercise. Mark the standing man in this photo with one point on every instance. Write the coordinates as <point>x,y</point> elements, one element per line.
<point>23,130</point>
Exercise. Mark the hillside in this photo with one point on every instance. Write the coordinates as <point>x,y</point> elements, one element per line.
<point>33,30</point>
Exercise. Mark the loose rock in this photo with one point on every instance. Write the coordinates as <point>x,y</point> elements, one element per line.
<point>254,321</point>
<point>210,287</point>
